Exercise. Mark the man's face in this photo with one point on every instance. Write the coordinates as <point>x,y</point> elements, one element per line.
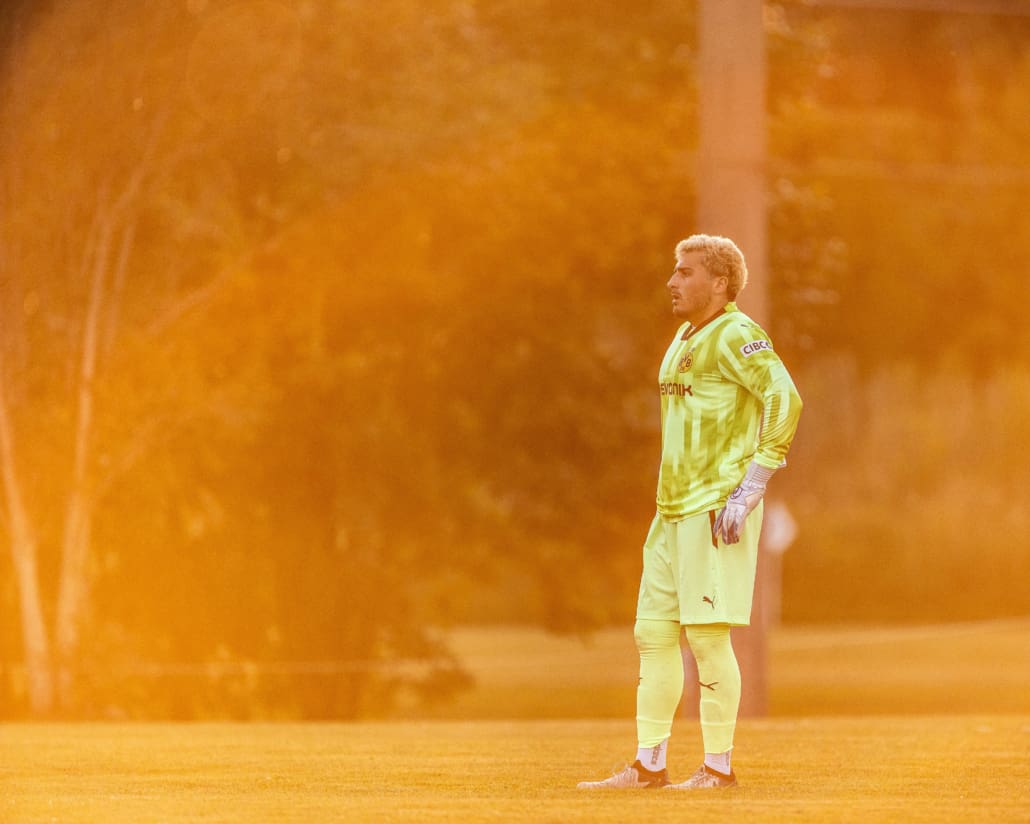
<point>696,294</point>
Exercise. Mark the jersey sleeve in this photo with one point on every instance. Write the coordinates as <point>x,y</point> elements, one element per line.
<point>749,360</point>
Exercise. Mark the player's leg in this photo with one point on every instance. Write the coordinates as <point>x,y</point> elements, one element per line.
<point>657,633</point>
<point>719,682</point>
<point>659,689</point>
<point>716,586</point>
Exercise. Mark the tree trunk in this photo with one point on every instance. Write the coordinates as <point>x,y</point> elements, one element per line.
<point>73,596</point>
<point>74,586</point>
<point>24,556</point>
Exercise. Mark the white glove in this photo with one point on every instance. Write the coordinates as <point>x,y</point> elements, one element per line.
<point>741,503</point>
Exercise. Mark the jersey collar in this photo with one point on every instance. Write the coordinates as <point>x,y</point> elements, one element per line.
<point>692,330</point>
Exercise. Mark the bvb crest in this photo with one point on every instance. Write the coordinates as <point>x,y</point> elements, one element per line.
<point>686,361</point>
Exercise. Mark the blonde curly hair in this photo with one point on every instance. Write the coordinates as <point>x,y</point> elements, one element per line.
<point>721,257</point>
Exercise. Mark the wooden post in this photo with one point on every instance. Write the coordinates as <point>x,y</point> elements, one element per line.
<point>731,192</point>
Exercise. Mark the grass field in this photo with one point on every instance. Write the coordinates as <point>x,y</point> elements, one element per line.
<point>930,769</point>
<point>929,762</point>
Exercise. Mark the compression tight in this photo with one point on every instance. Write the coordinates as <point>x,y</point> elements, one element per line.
<point>718,684</point>
<point>661,679</point>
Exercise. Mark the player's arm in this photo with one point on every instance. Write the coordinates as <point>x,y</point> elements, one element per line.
<point>759,369</point>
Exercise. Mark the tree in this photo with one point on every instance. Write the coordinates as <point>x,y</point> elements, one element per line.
<point>166,198</point>
<point>87,322</point>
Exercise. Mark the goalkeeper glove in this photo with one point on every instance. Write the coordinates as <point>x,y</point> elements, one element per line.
<point>741,503</point>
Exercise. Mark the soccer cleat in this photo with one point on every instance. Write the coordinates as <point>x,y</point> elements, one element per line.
<point>634,777</point>
<point>705,779</point>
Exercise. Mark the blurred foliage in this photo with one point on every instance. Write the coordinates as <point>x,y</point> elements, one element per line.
<point>381,301</point>
<point>914,517</point>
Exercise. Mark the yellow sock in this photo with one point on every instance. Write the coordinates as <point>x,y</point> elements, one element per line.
<point>661,679</point>
<point>719,680</point>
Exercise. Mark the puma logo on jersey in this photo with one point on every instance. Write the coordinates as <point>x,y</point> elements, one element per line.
<point>710,601</point>
<point>708,686</point>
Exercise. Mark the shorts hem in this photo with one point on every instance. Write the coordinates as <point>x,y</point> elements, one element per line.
<point>644,617</point>
<point>707,620</point>
<point>685,621</point>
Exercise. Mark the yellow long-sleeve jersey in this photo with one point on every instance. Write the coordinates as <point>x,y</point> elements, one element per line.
<point>726,399</point>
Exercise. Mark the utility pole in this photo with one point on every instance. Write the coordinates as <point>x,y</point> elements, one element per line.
<point>731,201</point>
<point>731,159</point>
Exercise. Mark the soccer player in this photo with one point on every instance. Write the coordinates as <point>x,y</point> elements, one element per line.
<point>729,410</point>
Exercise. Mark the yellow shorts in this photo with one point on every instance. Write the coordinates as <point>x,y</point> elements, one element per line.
<point>690,579</point>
